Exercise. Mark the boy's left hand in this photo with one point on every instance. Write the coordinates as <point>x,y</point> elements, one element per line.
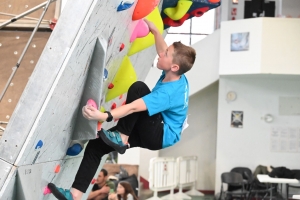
<point>91,113</point>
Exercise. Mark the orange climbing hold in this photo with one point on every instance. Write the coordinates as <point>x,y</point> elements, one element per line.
<point>214,1</point>
<point>57,169</point>
<point>99,126</point>
<point>144,8</point>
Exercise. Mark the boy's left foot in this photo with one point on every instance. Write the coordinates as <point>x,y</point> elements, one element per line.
<point>59,193</point>
<point>113,139</point>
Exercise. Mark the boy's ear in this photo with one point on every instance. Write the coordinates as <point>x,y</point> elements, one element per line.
<point>174,68</point>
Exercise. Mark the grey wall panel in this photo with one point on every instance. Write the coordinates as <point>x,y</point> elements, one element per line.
<point>92,90</point>
<point>41,80</point>
<point>289,106</point>
<point>8,190</point>
<point>33,179</point>
<point>5,168</point>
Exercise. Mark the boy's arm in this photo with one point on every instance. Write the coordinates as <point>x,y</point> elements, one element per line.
<point>160,43</point>
<point>92,113</point>
<point>103,191</point>
<point>93,194</point>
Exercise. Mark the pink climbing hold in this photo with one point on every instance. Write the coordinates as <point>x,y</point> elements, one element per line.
<point>92,103</point>
<point>140,30</point>
<point>46,190</point>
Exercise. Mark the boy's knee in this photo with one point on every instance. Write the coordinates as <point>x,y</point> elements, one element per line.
<point>139,85</point>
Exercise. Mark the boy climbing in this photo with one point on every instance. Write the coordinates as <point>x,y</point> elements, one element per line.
<point>149,119</point>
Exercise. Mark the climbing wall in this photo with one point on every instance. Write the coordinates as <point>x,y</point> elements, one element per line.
<point>96,50</point>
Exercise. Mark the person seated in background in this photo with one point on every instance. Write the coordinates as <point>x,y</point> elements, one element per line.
<point>102,187</point>
<point>124,192</point>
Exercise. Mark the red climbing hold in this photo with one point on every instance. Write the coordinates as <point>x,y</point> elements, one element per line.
<point>199,11</point>
<point>99,125</point>
<point>113,106</point>
<point>110,86</point>
<point>123,103</point>
<point>93,181</point>
<point>170,22</point>
<point>122,46</point>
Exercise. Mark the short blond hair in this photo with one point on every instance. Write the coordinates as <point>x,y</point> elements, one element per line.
<point>184,56</point>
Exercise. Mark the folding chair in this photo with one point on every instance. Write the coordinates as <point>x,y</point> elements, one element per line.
<point>234,179</point>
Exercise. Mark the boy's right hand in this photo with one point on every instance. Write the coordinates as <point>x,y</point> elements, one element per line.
<point>151,26</point>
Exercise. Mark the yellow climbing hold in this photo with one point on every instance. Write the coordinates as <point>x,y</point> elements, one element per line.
<point>140,44</point>
<point>176,13</point>
<point>124,78</point>
<point>102,109</point>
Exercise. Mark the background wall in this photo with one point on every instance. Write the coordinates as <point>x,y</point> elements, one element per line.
<point>199,138</point>
<point>283,8</point>
<point>251,145</point>
<point>241,62</point>
<point>280,40</point>
<point>290,8</point>
<point>269,38</point>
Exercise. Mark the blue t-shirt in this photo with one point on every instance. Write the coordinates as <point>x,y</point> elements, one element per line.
<point>171,100</point>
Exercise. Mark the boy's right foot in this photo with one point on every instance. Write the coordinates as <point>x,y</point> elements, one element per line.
<point>113,139</point>
<point>59,193</point>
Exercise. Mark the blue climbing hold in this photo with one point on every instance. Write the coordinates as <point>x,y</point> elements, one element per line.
<point>39,144</point>
<point>105,74</point>
<point>124,6</point>
<point>74,150</point>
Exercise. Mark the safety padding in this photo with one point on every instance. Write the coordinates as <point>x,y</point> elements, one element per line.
<point>124,78</point>
<point>140,44</point>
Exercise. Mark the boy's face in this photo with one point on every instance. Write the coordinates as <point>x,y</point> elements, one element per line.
<point>165,59</point>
